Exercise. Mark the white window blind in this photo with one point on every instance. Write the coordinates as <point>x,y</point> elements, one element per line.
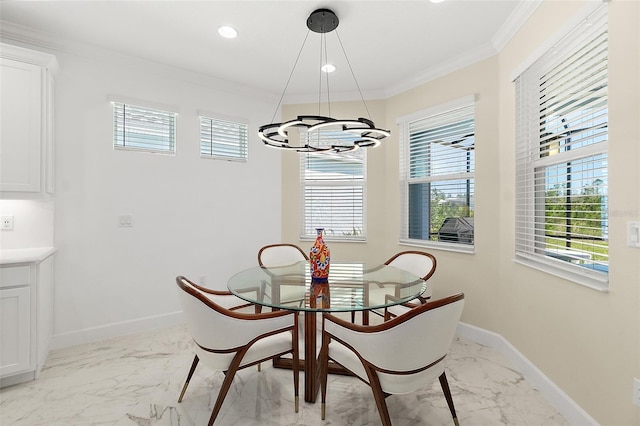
<point>333,191</point>
<point>223,139</point>
<point>143,129</point>
<point>561,157</point>
<point>437,166</point>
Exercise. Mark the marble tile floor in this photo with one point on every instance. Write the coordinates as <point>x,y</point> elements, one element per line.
<point>136,380</point>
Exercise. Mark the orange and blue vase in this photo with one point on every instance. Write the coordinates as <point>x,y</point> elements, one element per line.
<point>319,259</point>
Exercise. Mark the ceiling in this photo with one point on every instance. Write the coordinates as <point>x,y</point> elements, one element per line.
<point>390,45</point>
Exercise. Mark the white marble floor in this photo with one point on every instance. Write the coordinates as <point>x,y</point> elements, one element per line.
<point>135,380</point>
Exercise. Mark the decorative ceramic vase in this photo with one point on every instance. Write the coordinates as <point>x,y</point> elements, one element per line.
<point>319,260</point>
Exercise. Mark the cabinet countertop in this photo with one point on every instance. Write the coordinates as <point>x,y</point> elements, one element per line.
<point>35,254</point>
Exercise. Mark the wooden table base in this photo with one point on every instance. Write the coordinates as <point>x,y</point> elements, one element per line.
<point>310,364</point>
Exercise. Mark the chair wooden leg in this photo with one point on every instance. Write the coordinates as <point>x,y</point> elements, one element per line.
<point>379,396</point>
<point>447,394</point>
<point>194,364</point>
<point>388,315</point>
<point>226,385</point>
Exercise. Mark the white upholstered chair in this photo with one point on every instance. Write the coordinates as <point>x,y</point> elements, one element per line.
<point>282,254</point>
<point>390,357</point>
<point>418,263</point>
<point>276,255</point>
<point>228,340</point>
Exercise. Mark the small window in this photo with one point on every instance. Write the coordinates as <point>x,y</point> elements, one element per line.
<point>223,139</point>
<point>143,129</point>
<point>437,177</point>
<point>333,190</point>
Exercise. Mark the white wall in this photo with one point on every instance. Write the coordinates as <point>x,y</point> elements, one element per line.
<point>192,216</point>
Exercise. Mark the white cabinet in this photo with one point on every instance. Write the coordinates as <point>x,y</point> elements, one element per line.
<point>26,313</point>
<point>26,122</point>
<point>15,327</point>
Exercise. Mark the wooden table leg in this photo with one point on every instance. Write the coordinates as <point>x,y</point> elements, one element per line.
<point>311,366</point>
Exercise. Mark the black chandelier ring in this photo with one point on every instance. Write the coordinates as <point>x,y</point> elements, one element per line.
<point>365,134</point>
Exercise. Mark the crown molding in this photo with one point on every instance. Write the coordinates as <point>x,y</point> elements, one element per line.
<point>28,38</point>
<point>454,64</point>
<point>512,25</point>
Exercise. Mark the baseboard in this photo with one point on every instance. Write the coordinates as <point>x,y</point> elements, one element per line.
<point>93,334</point>
<point>572,412</point>
<point>18,378</point>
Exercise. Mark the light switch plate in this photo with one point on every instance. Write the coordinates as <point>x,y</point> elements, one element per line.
<point>125,221</point>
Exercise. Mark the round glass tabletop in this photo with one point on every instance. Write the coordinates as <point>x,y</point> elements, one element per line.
<point>352,286</point>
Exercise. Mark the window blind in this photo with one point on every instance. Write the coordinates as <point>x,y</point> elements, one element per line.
<point>333,195</point>
<point>437,175</point>
<point>223,139</point>
<point>561,155</point>
<point>144,129</point>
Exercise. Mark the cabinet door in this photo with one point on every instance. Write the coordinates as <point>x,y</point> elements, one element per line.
<point>15,329</point>
<point>20,126</point>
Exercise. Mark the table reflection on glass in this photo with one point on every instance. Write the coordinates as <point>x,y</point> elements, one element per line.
<point>352,287</point>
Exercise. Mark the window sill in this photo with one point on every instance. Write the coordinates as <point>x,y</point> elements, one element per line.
<point>593,280</point>
<point>458,248</point>
<point>334,240</point>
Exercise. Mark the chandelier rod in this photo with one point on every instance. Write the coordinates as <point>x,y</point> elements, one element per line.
<point>353,74</point>
<point>326,61</point>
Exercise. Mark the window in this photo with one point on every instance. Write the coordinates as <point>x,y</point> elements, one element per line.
<point>437,165</point>
<point>333,191</point>
<point>223,139</point>
<point>561,157</point>
<point>143,129</point>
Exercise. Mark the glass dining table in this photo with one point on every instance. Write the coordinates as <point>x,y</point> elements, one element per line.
<point>352,287</point>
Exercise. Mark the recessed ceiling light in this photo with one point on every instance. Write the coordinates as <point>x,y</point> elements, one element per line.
<point>328,68</point>
<point>227,32</point>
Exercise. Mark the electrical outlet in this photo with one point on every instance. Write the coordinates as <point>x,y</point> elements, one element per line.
<point>7,223</point>
<point>636,392</point>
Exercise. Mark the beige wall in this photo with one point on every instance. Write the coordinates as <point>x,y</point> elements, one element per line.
<point>587,342</point>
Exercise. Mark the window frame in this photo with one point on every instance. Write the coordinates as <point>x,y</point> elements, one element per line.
<point>534,159</point>
<point>406,180</point>
<point>242,142</point>
<point>119,111</point>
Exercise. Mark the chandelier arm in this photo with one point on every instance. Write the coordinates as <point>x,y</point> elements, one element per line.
<point>290,75</point>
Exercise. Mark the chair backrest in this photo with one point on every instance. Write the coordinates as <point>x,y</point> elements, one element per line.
<point>284,254</point>
<point>215,327</point>
<point>409,342</point>
<point>417,262</point>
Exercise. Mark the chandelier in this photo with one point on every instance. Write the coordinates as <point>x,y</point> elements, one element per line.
<point>346,134</point>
